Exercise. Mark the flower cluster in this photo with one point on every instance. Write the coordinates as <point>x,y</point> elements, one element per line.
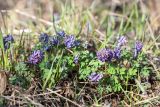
<point>76,58</point>
<point>53,41</point>
<point>70,41</point>
<point>117,53</point>
<point>48,41</point>
<point>105,55</point>
<point>61,33</point>
<point>95,77</point>
<point>36,57</point>
<point>43,38</point>
<point>7,40</point>
<point>121,41</point>
<point>137,48</point>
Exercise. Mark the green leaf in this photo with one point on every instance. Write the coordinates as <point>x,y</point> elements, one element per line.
<point>145,72</point>
<point>111,70</point>
<point>132,72</point>
<point>122,71</point>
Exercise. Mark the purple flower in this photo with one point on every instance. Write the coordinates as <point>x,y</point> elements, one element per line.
<point>36,57</point>
<point>117,53</point>
<point>43,38</point>
<point>77,43</point>
<point>61,33</point>
<point>137,48</point>
<point>95,77</point>
<point>121,41</point>
<point>7,40</point>
<point>76,58</point>
<point>53,41</point>
<point>69,41</point>
<point>105,55</point>
<point>46,47</point>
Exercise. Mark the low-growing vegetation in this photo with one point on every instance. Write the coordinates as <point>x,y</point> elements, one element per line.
<point>111,60</point>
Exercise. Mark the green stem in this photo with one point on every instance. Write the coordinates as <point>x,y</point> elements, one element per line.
<point>127,82</point>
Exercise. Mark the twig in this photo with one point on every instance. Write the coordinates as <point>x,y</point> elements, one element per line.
<point>34,17</point>
<point>11,99</point>
<point>33,102</point>
<point>100,33</point>
<point>126,105</point>
<point>43,94</point>
<point>64,98</point>
<point>117,15</point>
<point>147,100</point>
<point>105,96</point>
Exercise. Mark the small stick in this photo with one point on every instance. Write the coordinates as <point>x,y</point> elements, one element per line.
<point>147,100</point>
<point>33,102</point>
<point>43,94</point>
<point>34,17</point>
<point>64,98</point>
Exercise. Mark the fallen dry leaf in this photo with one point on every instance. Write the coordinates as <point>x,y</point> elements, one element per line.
<point>3,81</point>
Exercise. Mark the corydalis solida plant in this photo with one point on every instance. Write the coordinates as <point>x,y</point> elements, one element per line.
<point>43,38</point>
<point>105,55</point>
<point>70,41</point>
<point>53,41</point>
<point>137,48</point>
<point>121,41</point>
<point>36,57</point>
<point>95,77</point>
<point>117,53</point>
<point>61,33</point>
<point>7,40</point>
<point>76,58</point>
